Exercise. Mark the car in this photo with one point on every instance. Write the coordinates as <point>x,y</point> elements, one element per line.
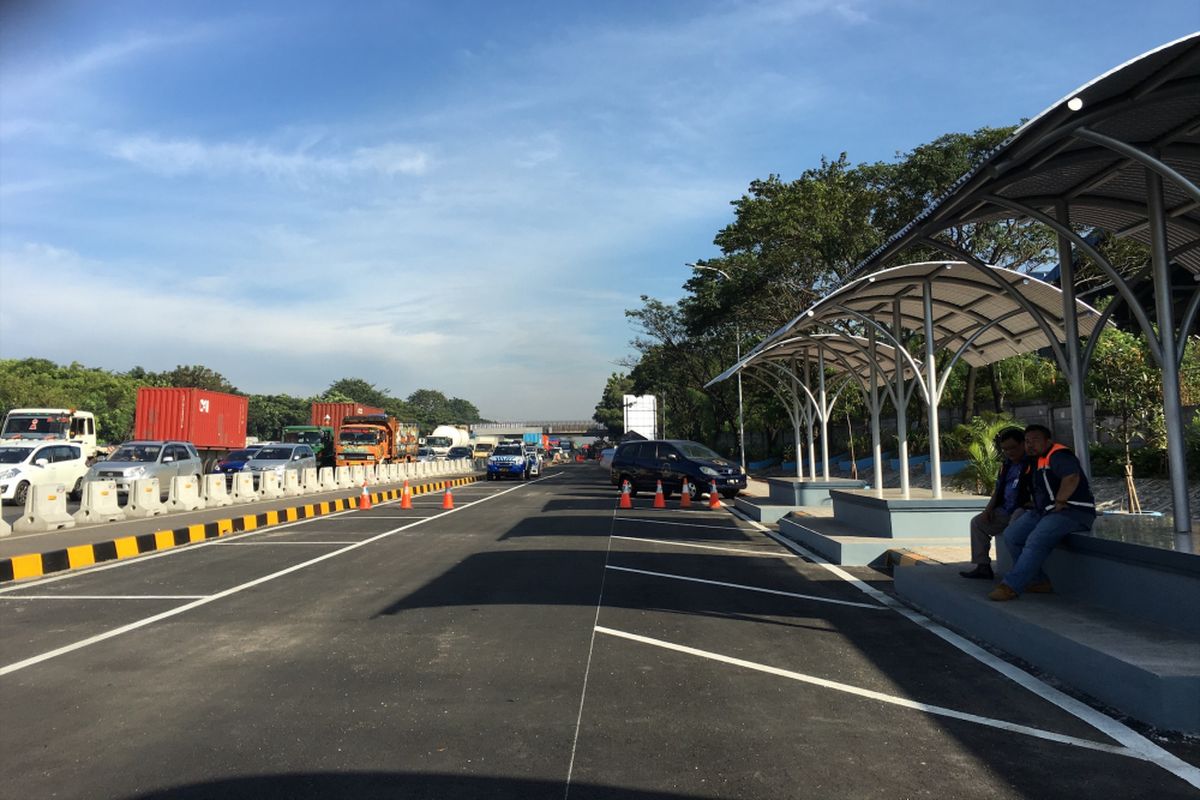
<point>482,450</point>
<point>508,460</point>
<point>280,459</point>
<point>143,458</point>
<point>426,454</point>
<point>235,461</point>
<point>24,465</point>
<point>643,464</point>
<point>455,453</point>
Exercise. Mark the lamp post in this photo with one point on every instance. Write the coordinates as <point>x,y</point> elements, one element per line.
<point>737,332</point>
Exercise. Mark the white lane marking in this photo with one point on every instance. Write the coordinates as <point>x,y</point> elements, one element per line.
<point>683,524</point>
<point>258,544</point>
<point>1110,727</point>
<point>103,597</point>
<point>740,550</point>
<point>871,606</point>
<point>141,623</point>
<point>904,702</point>
<point>587,670</point>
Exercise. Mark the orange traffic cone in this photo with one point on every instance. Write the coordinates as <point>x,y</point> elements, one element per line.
<point>626,502</point>
<point>685,495</point>
<point>659,500</point>
<point>448,499</point>
<point>364,499</point>
<point>714,499</point>
<point>406,497</point>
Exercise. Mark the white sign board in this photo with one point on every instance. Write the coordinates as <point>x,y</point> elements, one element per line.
<point>641,414</point>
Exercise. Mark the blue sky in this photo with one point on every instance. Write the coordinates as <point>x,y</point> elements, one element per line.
<point>454,195</point>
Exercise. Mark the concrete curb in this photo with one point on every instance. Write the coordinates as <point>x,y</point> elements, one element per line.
<point>35,565</point>
<point>900,557</point>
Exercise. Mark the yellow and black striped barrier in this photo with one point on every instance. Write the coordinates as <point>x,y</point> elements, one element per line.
<point>35,565</point>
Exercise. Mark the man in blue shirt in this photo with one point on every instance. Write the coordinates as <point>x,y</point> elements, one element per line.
<point>1062,504</point>
<point>1010,497</point>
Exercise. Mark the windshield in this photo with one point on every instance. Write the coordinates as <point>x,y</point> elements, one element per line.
<point>136,452</point>
<point>694,450</point>
<point>358,437</point>
<point>302,437</point>
<point>273,454</point>
<point>35,426</point>
<point>424,451</point>
<point>438,441</point>
<point>240,455</point>
<point>14,455</point>
<point>508,450</point>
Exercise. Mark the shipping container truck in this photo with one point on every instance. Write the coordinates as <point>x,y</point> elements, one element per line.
<point>321,438</point>
<point>331,414</point>
<point>215,422</point>
<point>373,439</point>
<point>76,427</point>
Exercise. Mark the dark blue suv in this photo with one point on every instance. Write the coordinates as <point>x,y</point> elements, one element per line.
<point>643,464</point>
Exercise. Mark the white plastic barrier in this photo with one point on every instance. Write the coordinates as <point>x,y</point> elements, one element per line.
<point>145,499</point>
<point>99,503</point>
<point>184,494</point>
<point>393,473</point>
<point>45,510</point>
<point>345,477</point>
<point>374,476</point>
<point>327,477</point>
<point>309,482</point>
<point>216,492</point>
<point>291,483</point>
<point>268,485</point>
<point>243,488</point>
<point>5,528</point>
<point>358,474</point>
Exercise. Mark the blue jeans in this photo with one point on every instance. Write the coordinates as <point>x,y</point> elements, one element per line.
<point>1032,536</point>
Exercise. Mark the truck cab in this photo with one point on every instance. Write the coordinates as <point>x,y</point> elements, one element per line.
<point>367,439</point>
<point>42,424</point>
<point>318,437</point>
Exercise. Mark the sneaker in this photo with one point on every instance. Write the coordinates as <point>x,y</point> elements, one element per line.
<point>980,571</point>
<point>1002,593</point>
<point>1040,587</point>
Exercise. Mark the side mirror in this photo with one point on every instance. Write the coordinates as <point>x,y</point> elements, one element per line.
<point>41,462</point>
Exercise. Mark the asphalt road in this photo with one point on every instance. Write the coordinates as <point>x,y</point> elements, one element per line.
<point>533,643</point>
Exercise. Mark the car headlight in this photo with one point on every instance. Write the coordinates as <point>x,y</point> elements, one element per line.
<point>709,471</point>
<point>10,473</point>
<point>279,469</point>
<point>135,472</point>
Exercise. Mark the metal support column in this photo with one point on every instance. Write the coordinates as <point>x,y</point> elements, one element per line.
<point>741,413</point>
<point>901,402</point>
<point>1172,407</point>
<point>931,396</point>
<point>794,413</point>
<point>873,400</point>
<point>812,444</point>
<point>1066,271</point>
<point>823,411</point>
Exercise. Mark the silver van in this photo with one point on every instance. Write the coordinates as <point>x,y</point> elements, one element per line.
<point>148,459</point>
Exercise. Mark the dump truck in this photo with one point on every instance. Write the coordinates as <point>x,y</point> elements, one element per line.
<point>375,439</point>
<point>330,415</point>
<point>320,438</point>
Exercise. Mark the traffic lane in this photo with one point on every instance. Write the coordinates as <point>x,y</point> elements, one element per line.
<point>44,541</point>
<point>359,663</point>
<point>716,730</point>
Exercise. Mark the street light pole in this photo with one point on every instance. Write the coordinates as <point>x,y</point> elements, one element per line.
<point>737,332</point>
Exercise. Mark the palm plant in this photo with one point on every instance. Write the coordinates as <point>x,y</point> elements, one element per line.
<point>976,441</point>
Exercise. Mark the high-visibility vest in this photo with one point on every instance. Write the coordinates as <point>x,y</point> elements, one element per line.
<point>1043,468</point>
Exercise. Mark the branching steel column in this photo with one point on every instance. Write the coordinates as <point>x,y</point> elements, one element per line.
<point>931,393</point>
<point>1172,407</point>
<point>901,403</point>
<point>1066,272</point>
<point>873,399</point>
<point>812,444</point>
<point>822,402</point>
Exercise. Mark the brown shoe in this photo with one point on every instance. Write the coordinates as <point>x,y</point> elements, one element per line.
<point>1002,593</point>
<point>1040,587</point>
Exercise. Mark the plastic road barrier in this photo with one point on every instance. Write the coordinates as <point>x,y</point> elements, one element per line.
<point>327,478</point>
<point>344,478</point>
<point>308,480</point>
<point>144,499</point>
<point>216,493</point>
<point>243,488</point>
<point>291,483</point>
<point>268,485</point>
<point>45,510</point>
<point>184,494</point>
<point>99,503</point>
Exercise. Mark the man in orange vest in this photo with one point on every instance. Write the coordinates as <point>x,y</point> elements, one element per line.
<point>1062,504</point>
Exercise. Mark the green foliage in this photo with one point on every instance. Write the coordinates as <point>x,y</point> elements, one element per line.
<point>35,382</point>
<point>356,390</point>
<point>267,414</point>
<point>1128,387</point>
<point>975,441</point>
<point>610,410</point>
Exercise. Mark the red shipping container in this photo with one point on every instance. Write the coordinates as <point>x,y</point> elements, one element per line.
<point>209,420</point>
<point>336,412</point>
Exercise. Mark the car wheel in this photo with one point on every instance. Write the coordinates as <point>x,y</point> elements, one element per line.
<point>22,492</point>
<point>76,492</point>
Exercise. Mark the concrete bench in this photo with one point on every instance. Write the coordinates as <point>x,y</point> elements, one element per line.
<point>1123,624</point>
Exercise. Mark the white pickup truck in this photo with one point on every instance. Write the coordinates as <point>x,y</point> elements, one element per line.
<point>45,424</point>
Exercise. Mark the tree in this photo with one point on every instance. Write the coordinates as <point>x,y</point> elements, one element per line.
<point>610,411</point>
<point>269,413</point>
<point>358,391</point>
<point>196,376</point>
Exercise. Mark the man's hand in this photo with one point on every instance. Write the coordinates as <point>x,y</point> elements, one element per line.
<point>987,515</point>
<point>1060,505</point>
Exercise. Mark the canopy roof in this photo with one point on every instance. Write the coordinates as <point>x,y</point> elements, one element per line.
<point>1150,104</point>
<point>843,353</point>
<point>991,311</point>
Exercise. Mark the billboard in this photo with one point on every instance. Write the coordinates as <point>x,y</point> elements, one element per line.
<point>641,414</point>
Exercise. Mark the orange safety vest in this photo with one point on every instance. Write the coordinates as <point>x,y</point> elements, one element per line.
<point>1043,466</point>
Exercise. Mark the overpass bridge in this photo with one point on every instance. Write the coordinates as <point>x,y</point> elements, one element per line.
<point>570,427</point>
